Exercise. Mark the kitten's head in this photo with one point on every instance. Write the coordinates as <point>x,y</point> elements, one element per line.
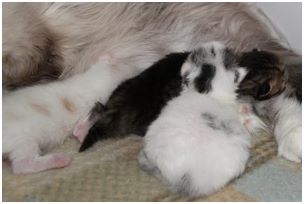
<point>266,76</point>
<point>212,69</point>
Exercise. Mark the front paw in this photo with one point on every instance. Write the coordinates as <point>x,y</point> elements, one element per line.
<point>290,146</point>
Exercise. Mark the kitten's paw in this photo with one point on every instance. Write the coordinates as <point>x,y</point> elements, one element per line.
<point>81,129</point>
<point>245,115</point>
<point>249,120</point>
<point>245,109</point>
<point>290,146</point>
<point>40,163</point>
<point>61,160</point>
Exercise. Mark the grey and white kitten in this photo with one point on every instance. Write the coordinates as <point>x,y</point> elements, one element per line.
<point>200,142</point>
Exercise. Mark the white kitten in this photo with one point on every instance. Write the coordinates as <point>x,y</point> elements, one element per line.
<point>39,118</point>
<point>198,143</point>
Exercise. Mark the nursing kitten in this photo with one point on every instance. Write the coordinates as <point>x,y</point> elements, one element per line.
<point>30,113</point>
<point>138,101</point>
<point>199,141</point>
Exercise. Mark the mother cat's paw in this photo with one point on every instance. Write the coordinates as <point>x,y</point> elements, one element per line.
<point>290,146</point>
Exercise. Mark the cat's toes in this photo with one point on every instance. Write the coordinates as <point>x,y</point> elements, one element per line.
<point>61,160</point>
<point>290,147</point>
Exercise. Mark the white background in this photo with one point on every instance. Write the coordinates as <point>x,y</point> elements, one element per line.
<point>287,17</point>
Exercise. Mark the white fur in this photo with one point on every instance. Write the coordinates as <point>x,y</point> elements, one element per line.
<point>179,143</point>
<point>28,133</point>
<point>288,127</point>
<point>285,114</point>
<point>185,151</point>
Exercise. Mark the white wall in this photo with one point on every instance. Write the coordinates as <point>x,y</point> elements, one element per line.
<point>287,17</point>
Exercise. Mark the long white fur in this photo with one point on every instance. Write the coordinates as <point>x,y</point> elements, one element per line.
<point>184,151</point>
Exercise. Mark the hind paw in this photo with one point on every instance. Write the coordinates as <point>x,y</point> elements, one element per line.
<point>61,160</point>
<point>40,163</point>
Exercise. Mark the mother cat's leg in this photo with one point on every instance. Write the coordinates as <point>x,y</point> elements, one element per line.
<point>285,113</point>
<point>38,118</point>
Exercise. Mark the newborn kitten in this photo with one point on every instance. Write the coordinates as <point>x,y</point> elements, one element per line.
<point>134,104</point>
<point>30,113</point>
<point>199,141</point>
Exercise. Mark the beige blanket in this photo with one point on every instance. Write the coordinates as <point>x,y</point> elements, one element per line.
<point>109,172</point>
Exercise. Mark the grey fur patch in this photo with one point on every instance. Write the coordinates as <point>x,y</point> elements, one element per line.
<point>294,71</point>
<point>212,51</point>
<point>198,56</point>
<point>147,166</point>
<point>229,58</point>
<point>217,124</point>
<point>96,111</point>
<point>184,187</point>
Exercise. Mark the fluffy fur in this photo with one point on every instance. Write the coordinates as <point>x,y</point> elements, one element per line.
<point>139,33</point>
<point>136,34</point>
<point>199,143</point>
<point>47,114</point>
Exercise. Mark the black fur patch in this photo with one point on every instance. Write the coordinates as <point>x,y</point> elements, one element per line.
<point>259,60</point>
<point>138,101</point>
<point>203,82</point>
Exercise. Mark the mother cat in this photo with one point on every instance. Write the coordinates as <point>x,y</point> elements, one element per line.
<point>47,41</point>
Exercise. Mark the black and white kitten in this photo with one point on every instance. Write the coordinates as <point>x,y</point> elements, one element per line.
<point>199,142</point>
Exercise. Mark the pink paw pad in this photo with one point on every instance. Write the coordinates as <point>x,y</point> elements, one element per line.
<point>245,109</point>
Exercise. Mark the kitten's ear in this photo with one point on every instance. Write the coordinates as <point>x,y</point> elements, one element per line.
<point>186,69</point>
<point>241,74</point>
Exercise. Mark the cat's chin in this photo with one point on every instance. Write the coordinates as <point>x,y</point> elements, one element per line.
<point>290,146</point>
